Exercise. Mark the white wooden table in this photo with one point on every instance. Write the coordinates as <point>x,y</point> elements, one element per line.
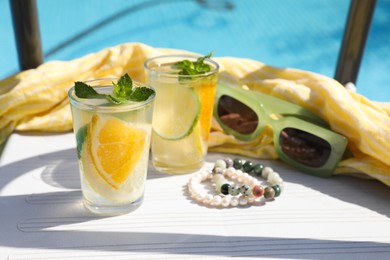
<point>42,216</point>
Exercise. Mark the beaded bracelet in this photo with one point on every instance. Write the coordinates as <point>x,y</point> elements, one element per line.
<point>248,191</point>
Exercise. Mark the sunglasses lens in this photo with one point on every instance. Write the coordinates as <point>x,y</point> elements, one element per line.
<point>304,147</point>
<point>237,115</point>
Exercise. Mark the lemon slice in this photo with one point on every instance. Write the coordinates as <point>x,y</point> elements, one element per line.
<point>115,148</point>
<point>94,183</point>
<point>177,110</point>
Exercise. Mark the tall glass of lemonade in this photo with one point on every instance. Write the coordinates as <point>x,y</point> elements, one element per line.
<point>113,141</point>
<point>183,110</point>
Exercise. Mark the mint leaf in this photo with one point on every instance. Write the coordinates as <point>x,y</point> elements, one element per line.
<point>199,64</point>
<point>122,91</point>
<point>80,139</point>
<point>83,90</point>
<point>189,68</point>
<point>141,94</point>
<point>123,88</point>
<point>184,65</point>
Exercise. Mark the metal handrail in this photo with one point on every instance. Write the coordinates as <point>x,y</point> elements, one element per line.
<point>27,35</point>
<point>354,40</point>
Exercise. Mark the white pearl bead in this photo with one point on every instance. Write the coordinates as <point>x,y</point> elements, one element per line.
<point>230,171</point>
<point>243,200</point>
<point>208,198</point>
<point>275,180</point>
<point>204,175</point>
<point>192,188</point>
<point>246,178</point>
<point>217,200</point>
<point>200,197</point>
<point>239,175</point>
<point>225,201</point>
<point>233,176</point>
<point>266,171</point>
<point>195,179</point>
<point>251,199</point>
<point>234,201</point>
<point>272,175</point>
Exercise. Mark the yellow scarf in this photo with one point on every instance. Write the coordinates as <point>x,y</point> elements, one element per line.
<point>36,100</point>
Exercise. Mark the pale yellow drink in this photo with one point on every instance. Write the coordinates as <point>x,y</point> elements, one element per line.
<point>113,143</point>
<point>182,114</point>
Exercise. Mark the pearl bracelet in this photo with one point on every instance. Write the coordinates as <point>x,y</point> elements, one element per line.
<point>230,194</point>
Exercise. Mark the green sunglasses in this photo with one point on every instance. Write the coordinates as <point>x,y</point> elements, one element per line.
<point>301,138</point>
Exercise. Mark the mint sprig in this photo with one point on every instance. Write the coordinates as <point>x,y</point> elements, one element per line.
<point>123,91</point>
<point>190,68</point>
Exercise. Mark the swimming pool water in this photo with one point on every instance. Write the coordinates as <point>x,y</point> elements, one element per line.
<point>302,34</point>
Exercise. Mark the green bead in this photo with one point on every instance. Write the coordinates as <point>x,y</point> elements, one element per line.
<point>237,163</point>
<point>225,189</point>
<point>248,166</point>
<point>258,169</point>
<point>277,190</point>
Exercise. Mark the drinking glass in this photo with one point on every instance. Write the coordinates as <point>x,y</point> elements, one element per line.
<point>113,143</point>
<point>182,113</point>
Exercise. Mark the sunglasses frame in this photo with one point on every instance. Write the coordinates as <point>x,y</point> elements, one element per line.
<point>280,114</point>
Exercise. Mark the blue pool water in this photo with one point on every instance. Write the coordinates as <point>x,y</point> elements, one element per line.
<point>304,34</point>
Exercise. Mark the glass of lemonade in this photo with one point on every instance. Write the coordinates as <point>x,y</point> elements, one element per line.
<point>182,113</point>
<point>113,144</point>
